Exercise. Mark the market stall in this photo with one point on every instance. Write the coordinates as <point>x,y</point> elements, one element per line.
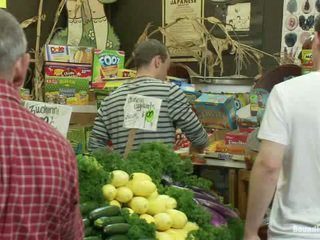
<point>222,62</point>
<point>153,184</point>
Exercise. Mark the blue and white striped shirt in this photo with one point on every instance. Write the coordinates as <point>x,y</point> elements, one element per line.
<point>175,113</point>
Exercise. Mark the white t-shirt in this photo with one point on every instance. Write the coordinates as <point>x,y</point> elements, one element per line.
<point>292,118</point>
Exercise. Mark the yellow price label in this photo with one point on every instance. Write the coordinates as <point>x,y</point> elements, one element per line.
<point>3,3</point>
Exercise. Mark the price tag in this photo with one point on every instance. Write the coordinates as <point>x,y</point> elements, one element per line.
<point>141,112</point>
<point>3,3</point>
<point>56,115</point>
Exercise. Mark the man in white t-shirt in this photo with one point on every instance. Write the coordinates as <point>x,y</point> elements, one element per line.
<point>288,163</point>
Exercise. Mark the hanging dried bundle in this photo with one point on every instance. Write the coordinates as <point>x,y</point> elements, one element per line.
<point>38,81</point>
<point>208,49</point>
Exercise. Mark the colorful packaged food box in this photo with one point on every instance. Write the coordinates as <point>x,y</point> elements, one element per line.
<point>67,83</point>
<point>56,53</point>
<point>236,138</point>
<point>127,73</point>
<point>106,64</point>
<point>68,54</point>
<point>216,111</point>
<point>258,100</point>
<point>83,55</point>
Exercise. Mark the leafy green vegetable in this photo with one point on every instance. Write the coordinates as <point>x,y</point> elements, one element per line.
<point>91,179</point>
<point>199,215</point>
<point>233,231</point>
<point>186,204</point>
<point>109,160</point>
<point>236,228</point>
<point>208,231</point>
<point>139,228</point>
<point>154,159</point>
<point>195,181</point>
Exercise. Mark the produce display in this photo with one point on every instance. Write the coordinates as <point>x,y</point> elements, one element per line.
<point>140,195</point>
<point>151,195</point>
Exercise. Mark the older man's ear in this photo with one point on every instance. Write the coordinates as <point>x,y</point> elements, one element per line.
<point>20,70</point>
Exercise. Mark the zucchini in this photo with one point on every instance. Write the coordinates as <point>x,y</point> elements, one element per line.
<point>87,207</point>
<point>104,221</point>
<point>93,238</point>
<point>116,228</point>
<point>90,231</point>
<point>107,211</point>
<point>118,237</point>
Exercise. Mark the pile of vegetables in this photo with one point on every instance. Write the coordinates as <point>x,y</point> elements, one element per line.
<point>112,223</point>
<point>155,186</point>
<point>139,195</point>
<point>156,160</point>
<point>225,226</point>
<point>92,176</point>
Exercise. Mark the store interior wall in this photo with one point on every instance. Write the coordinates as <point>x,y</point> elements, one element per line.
<point>129,18</point>
<point>24,10</point>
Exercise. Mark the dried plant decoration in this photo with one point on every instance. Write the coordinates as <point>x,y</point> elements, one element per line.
<point>38,52</point>
<point>26,23</point>
<point>111,43</point>
<point>209,49</point>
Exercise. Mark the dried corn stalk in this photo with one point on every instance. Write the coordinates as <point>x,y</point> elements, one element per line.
<point>38,81</point>
<point>26,23</point>
<point>208,50</point>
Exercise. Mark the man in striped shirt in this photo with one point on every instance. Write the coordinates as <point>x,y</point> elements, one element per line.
<point>152,62</point>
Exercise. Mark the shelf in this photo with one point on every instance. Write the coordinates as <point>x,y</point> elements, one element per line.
<point>84,109</point>
<point>228,80</point>
<point>224,163</point>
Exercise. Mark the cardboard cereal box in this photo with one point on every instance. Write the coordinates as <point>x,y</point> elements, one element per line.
<point>56,53</point>
<point>216,111</point>
<point>67,83</point>
<point>106,64</point>
<point>83,55</point>
<point>66,54</point>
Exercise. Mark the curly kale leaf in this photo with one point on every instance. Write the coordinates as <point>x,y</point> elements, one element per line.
<point>92,177</point>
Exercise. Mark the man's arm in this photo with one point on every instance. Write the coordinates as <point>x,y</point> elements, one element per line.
<point>99,135</point>
<point>184,118</point>
<point>263,181</point>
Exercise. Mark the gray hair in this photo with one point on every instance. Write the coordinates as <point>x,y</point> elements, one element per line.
<point>13,42</point>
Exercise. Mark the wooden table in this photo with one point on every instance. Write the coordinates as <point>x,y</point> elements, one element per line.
<point>83,114</point>
<point>243,189</point>
<point>233,168</point>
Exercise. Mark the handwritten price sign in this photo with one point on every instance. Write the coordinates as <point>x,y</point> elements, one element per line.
<point>56,115</point>
<point>141,112</point>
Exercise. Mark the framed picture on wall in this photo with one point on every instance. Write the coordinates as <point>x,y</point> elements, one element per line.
<point>243,19</point>
<point>181,31</point>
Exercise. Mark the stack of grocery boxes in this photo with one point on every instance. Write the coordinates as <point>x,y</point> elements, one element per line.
<point>68,72</point>
<point>72,73</point>
<point>219,114</point>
